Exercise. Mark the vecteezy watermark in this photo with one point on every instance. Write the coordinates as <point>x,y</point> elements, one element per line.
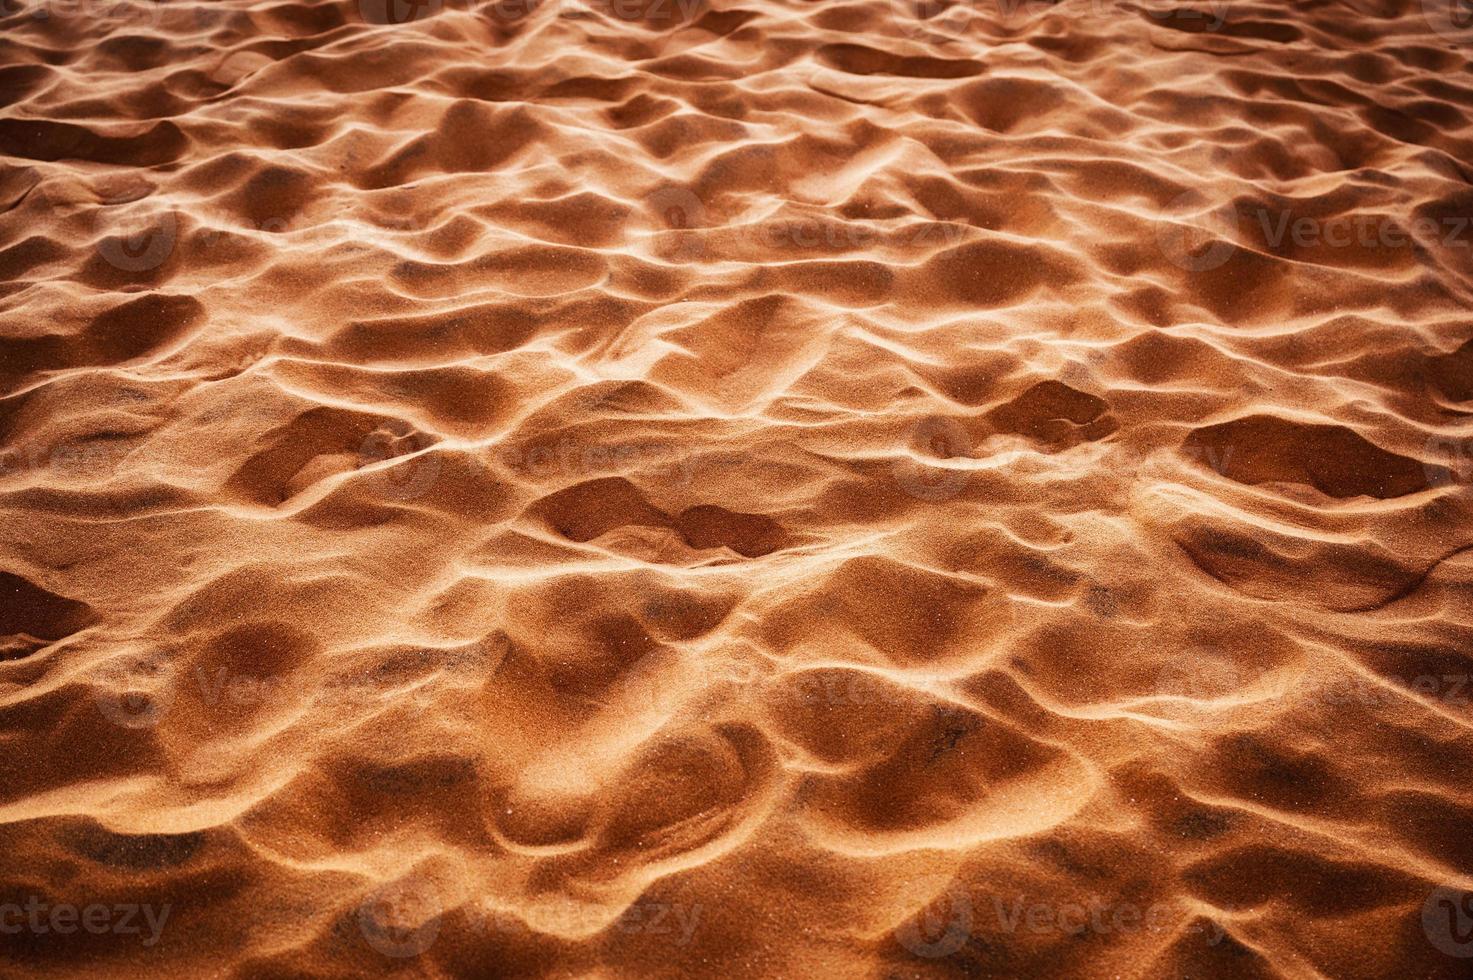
<point>573,459</point>
<point>848,688</point>
<point>941,458</point>
<point>141,694</point>
<point>112,14</point>
<point>1096,915</point>
<point>142,233</point>
<point>1447,921</point>
<point>1208,16</point>
<point>385,231</point>
<point>934,20</point>
<point>95,459</point>
<point>1212,677</point>
<point>1198,235</point>
<point>680,220</point>
<point>824,234</point>
<point>645,11</point>
<point>39,917</point>
<point>675,921</point>
<point>648,12</point>
<point>952,918</point>
<point>1360,230</point>
<point>939,21</point>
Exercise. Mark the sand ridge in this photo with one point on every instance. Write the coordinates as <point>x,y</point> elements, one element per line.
<point>736,487</point>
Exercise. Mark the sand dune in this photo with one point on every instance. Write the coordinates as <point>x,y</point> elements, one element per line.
<point>627,488</point>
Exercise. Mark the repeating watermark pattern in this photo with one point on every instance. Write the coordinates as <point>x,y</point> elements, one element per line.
<point>1202,679</point>
<point>1208,16</point>
<point>1450,19</point>
<point>401,919</point>
<point>113,14</point>
<point>848,689</point>
<point>944,439</point>
<point>141,694</point>
<point>1449,461</point>
<point>402,459</point>
<point>648,12</point>
<point>1209,678</point>
<point>77,459</point>
<point>678,209</point>
<point>941,21</point>
<point>404,919</point>
<point>683,221</point>
<point>136,694</point>
<point>810,234</point>
<point>951,919</point>
<point>933,20</point>
<point>1094,916</point>
<point>645,11</point>
<point>572,460</point>
<point>1447,921</point>
<point>944,926</point>
<point>395,12</point>
<point>145,237</point>
<point>1360,230</point>
<point>36,916</point>
<point>146,243</point>
<point>675,921</point>
<point>1197,235</point>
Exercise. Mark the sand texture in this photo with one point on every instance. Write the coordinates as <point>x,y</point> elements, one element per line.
<point>736,488</point>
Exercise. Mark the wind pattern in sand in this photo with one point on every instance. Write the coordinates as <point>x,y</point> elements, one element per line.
<point>736,488</point>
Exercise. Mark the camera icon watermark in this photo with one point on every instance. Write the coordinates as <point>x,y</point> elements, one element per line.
<point>401,919</point>
<point>399,12</point>
<point>942,439</point>
<point>943,926</point>
<point>680,218</point>
<point>1196,234</point>
<point>146,239</point>
<point>1449,461</point>
<point>136,695</point>
<point>1451,20</point>
<point>1447,921</point>
<point>403,461</point>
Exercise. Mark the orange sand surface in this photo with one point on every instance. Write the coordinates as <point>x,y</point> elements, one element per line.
<point>736,488</point>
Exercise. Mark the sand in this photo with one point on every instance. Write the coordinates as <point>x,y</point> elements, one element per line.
<point>736,488</point>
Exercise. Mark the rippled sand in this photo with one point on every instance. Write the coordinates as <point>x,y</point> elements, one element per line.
<point>627,488</point>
